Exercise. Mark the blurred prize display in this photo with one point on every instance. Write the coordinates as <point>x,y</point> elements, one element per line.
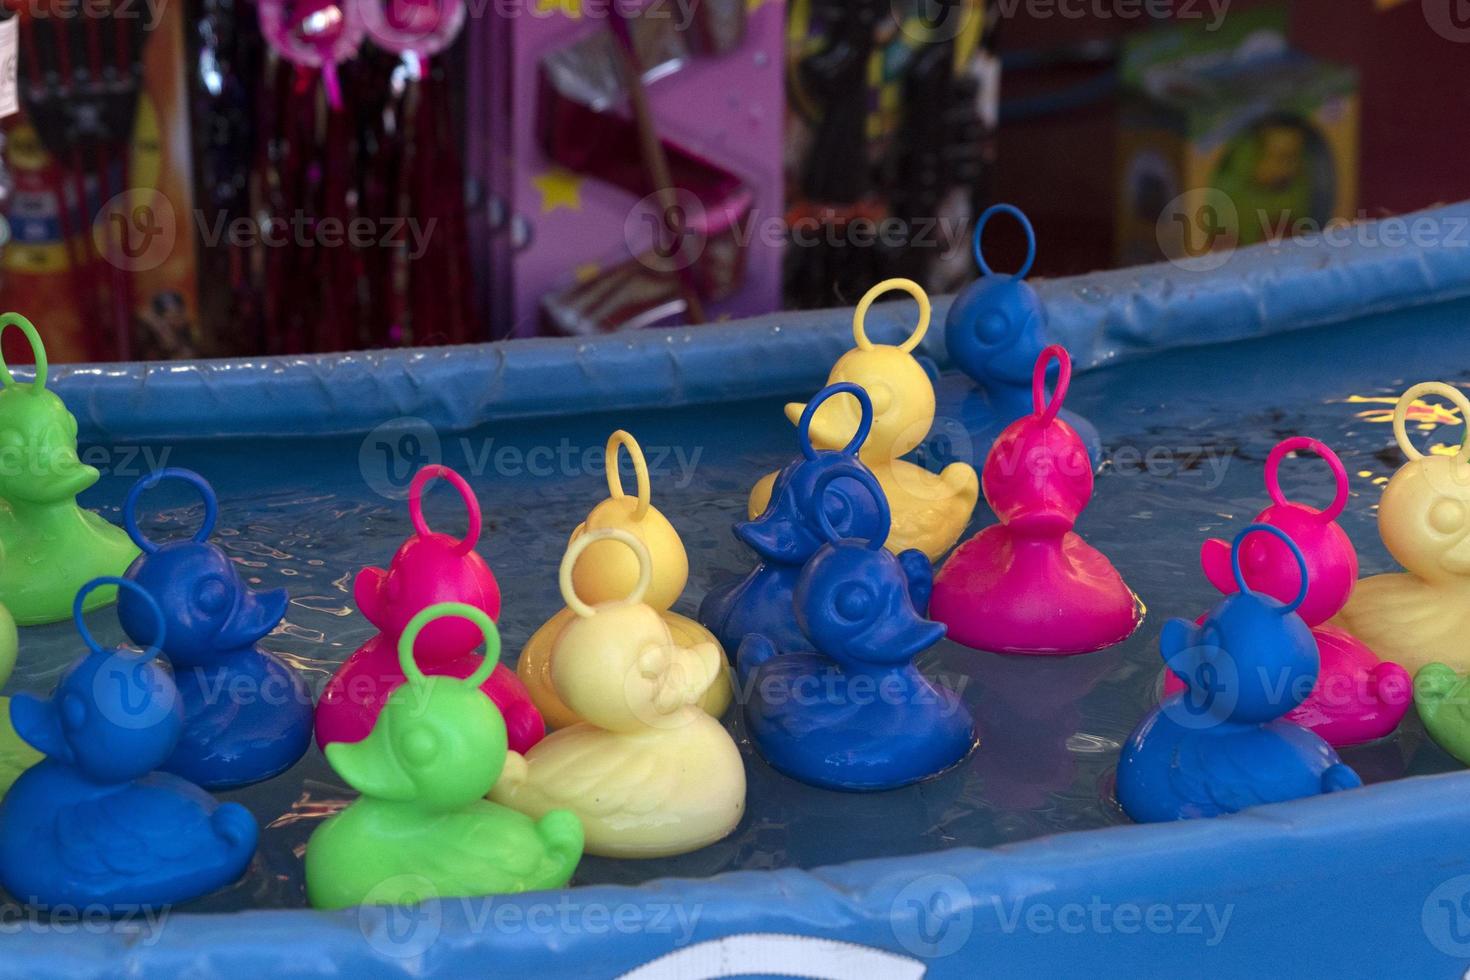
<point>98,183</point>
<point>889,149</point>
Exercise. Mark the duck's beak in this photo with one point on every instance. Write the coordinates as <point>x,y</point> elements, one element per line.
<point>769,535</point>
<point>254,616</point>
<point>1214,558</point>
<point>367,591</point>
<point>694,669</point>
<point>371,768</point>
<point>902,637</point>
<point>64,476</point>
<point>834,423</point>
<point>38,722</point>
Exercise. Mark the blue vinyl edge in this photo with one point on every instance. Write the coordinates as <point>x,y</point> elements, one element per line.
<point>1101,318</point>
<point>1333,886</point>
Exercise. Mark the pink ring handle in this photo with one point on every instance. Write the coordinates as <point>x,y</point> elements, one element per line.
<point>1047,410</point>
<point>1339,472</point>
<point>421,480</point>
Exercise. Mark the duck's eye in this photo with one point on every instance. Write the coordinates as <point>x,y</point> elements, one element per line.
<point>1447,516</point>
<point>419,746</point>
<point>211,594</point>
<point>881,396</point>
<point>991,328</point>
<point>853,601</point>
<point>839,510</point>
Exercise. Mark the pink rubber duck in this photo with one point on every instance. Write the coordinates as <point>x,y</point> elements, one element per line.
<point>1030,584</point>
<point>428,569</point>
<point>1358,698</point>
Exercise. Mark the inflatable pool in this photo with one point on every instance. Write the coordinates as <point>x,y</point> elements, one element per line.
<point>1019,859</point>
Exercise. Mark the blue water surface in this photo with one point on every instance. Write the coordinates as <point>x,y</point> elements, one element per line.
<point>1186,433</point>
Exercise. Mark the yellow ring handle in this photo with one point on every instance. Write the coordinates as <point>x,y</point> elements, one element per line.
<point>38,350</point>
<point>860,315</point>
<point>1401,413</point>
<point>618,441</point>
<point>574,551</point>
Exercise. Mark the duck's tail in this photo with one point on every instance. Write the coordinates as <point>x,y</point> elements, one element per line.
<point>755,650</point>
<point>1433,684</point>
<point>236,826</point>
<point>1340,777</point>
<point>562,834</point>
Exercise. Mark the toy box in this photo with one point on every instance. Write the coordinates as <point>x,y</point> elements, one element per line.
<point>1230,138</point>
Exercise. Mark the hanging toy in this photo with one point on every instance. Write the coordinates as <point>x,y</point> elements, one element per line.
<point>421,28</point>
<point>95,825</point>
<point>608,571</point>
<point>422,829</point>
<point>1357,698</point>
<point>428,569</point>
<point>49,546</point>
<point>247,714</point>
<point>648,772</point>
<point>1030,584</point>
<point>852,603</point>
<point>1421,615</point>
<point>15,755</point>
<point>995,331</point>
<point>930,511</point>
<point>1223,745</point>
<point>788,533</point>
<point>318,34</point>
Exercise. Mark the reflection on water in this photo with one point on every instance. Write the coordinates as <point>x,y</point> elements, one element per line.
<point>1187,433</point>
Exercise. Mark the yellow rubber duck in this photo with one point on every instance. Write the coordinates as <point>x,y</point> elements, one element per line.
<point>16,756</point>
<point>1422,615</point>
<point>608,571</point>
<point>930,511</point>
<point>648,773</point>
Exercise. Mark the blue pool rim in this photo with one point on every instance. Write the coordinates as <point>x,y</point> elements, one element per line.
<point>1372,882</point>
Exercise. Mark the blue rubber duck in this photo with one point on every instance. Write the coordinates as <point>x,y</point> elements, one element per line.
<point>855,714</point>
<point>787,533</point>
<point>94,825</point>
<point>1222,745</point>
<point>247,715</point>
<point>995,331</point>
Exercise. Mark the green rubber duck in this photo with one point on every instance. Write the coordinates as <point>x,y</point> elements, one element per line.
<point>1443,699</point>
<point>49,547</point>
<point>423,828</point>
<point>15,755</point>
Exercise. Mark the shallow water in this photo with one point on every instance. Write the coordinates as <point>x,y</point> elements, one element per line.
<point>1186,433</point>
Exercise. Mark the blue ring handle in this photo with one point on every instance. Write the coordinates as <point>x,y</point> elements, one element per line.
<point>1301,561</point>
<point>865,423</point>
<point>1020,216</point>
<point>864,476</point>
<point>130,506</point>
<point>153,649</point>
